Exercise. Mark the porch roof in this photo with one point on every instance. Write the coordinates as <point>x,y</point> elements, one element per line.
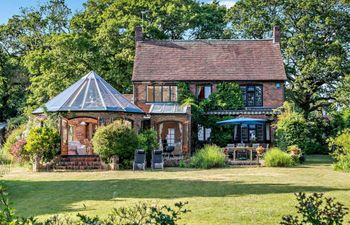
<point>90,93</point>
<point>167,108</point>
<point>246,111</point>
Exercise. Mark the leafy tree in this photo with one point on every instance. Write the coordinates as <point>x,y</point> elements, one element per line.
<point>314,44</point>
<point>210,22</point>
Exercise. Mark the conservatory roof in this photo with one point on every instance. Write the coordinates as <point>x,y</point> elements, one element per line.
<point>90,93</point>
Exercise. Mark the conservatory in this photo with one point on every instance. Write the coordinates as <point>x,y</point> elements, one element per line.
<point>87,104</point>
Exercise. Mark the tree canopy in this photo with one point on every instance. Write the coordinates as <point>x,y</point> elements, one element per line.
<point>45,49</point>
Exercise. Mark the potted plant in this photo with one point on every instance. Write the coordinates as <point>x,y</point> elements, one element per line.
<point>294,150</point>
<point>260,150</point>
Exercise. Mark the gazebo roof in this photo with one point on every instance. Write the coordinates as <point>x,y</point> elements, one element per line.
<point>90,93</point>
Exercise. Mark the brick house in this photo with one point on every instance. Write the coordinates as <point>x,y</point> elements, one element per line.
<point>256,65</point>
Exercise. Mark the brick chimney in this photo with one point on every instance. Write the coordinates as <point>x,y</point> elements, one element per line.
<point>276,35</point>
<point>138,33</point>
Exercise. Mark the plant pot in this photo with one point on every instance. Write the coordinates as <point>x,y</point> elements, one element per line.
<point>260,150</point>
<point>295,151</point>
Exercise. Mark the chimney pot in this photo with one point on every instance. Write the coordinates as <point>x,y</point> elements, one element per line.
<point>276,34</point>
<point>138,33</point>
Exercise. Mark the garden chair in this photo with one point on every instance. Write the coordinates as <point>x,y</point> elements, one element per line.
<point>157,161</point>
<point>139,160</point>
<point>255,145</point>
<point>240,145</point>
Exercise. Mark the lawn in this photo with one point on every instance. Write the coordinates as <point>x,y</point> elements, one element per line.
<point>217,196</point>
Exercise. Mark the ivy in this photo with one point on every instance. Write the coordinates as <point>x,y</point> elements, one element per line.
<point>228,96</point>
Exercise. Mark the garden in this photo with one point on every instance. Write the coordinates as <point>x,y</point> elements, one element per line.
<point>246,195</point>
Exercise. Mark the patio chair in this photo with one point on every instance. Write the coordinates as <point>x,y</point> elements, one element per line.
<point>139,160</point>
<point>240,145</point>
<point>255,145</point>
<point>157,161</point>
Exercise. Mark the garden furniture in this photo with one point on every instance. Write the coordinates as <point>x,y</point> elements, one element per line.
<point>157,161</point>
<point>139,160</point>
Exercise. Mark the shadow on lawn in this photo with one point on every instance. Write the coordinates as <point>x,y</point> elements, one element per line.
<point>50,197</point>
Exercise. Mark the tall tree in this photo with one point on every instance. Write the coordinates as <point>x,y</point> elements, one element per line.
<point>315,43</point>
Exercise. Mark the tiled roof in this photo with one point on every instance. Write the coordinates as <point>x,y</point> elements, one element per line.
<point>208,60</point>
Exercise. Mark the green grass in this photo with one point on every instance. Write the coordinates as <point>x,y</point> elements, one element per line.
<point>216,196</point>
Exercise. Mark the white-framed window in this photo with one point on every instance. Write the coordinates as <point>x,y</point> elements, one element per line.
<point>203,133</point>
<point>171,137</point>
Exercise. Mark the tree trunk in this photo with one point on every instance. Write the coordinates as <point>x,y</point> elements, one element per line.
<point>36,163</point>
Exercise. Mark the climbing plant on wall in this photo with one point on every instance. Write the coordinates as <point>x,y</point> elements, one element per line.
<point>228,96</point>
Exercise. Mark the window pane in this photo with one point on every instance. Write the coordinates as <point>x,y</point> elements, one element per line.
<point>260,133</point>
<point>267,127</point>
<point>244,131</point>
<point>251,89</point>
<point>173,93</point>
<point>207,91</point>
<point>250,99</point>
<point>200,133</point>
<point>157,93</point>
<point>150,97</point>
<point>166,93</point>
<point>200,92</point>
<point>258,96</point>
<point>243,90</point>
<point>171,137</point>
<point>207,133</point>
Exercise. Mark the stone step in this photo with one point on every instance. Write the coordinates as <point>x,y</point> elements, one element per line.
<point>65,163</point>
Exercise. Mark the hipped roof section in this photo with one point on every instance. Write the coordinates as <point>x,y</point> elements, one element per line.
<point>90,93</point>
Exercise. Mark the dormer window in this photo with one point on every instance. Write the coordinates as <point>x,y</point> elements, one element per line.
<point>161,93</point>
<point>203,91</point>
<point>252,95</point>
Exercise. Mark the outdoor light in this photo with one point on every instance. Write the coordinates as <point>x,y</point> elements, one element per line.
<point>83,123</point>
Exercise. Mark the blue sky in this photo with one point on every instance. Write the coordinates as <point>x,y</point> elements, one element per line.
<point>12,7</point>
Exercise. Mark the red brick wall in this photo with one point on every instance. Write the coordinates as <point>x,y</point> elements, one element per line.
<point>273,97</point>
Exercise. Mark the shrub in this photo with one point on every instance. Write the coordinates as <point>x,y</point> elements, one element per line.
<point>116,139</point>
<point>18,152</point>
<point>316,209</point>
<point>210,156</point>
<point>12,138</point>
<point>44,142</point>
<point>148,141</point>
<point>341,150</point>
<point>294,129</point>
<point>275,157</point>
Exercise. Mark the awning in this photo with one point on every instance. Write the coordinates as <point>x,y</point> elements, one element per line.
<point>240,121</point>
